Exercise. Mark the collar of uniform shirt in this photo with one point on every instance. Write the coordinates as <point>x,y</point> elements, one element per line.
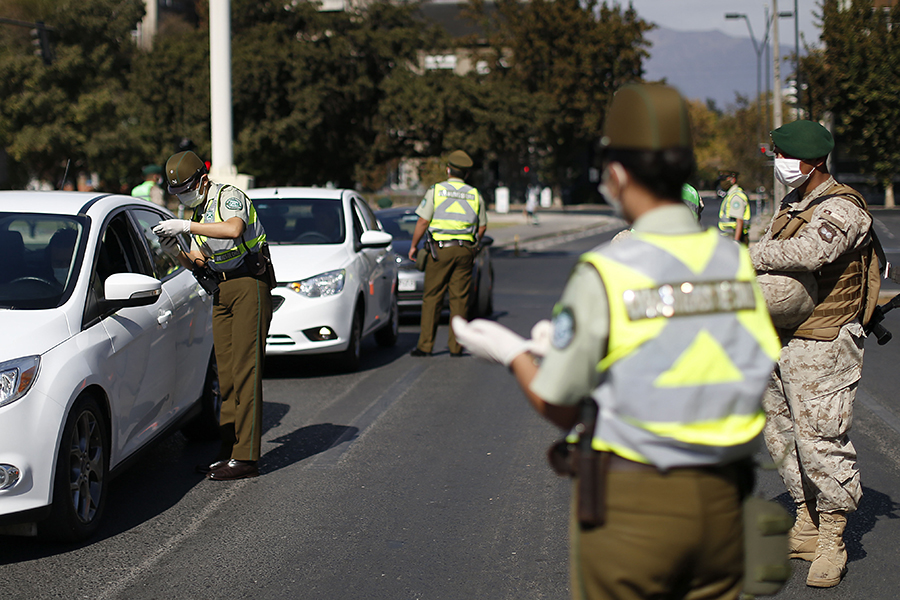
<point>812,195</point>
<point>676,219</point>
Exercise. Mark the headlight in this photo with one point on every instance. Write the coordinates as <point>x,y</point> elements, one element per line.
<point>326,284</point>
<point>16,377</point>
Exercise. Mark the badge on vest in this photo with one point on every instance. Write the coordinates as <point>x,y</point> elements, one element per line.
<point>563,329</point>
<point>234,204</point>
<point>827,233</point>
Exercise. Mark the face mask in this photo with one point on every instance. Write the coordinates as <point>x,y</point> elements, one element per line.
<point>605,190</point>
<point>787,171</point>
<point>192,198</point>
<point>60,273</point>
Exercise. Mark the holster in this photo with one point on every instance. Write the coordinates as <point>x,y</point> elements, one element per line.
<point>205,277</point>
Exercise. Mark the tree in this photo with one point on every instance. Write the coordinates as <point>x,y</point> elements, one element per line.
<point>862,49</point>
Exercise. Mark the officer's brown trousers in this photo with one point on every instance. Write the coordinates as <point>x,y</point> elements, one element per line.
<point>452,274</point>
<point>242,311</point>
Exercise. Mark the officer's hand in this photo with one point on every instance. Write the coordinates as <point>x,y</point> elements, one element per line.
<point>541,334</point>
<point>489,341</point>
<point>172,227</point>
<point>169,245</point>
<point>412,252</point>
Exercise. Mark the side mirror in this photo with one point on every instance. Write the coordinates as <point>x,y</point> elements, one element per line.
<point>375,239</point>
<point>126,290</point>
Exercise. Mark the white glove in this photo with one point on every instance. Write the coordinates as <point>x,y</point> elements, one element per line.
<point>489,341</point>
<point>172,227</point>
<point>541,334</point>
<point>169,245</point>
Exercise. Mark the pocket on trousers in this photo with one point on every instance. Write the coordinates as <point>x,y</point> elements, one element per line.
<point>834,412</point>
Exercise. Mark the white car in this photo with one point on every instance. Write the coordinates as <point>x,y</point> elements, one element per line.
<point>336,272</point>
<point>107,345</point>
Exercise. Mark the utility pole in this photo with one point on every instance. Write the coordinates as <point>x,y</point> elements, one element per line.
<point>777,188</point>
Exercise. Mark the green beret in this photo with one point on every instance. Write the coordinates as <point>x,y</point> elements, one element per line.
<point>803,140</point>
<point>152,170</point>
<point>460,160</point>
<point>647,117</point>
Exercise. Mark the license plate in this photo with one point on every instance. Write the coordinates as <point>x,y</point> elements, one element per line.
<point>407,285</point>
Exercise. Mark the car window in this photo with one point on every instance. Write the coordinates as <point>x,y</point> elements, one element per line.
<point>39,257</point>
<point>163,264</point>
<point>399,225</point>
<point>366,214</point>
<point>302,220</point>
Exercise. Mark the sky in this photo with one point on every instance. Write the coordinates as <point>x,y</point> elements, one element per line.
<point>708,15</point>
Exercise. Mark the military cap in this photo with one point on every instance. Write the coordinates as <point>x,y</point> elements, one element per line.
<point>727,174</point>
<point>803,140</point>
<point>183,170</point>
<point>459,160</point>
<point>152,170</point>
<point>647,117</point>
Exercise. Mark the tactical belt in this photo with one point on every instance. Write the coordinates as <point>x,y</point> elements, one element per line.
<point>448,243</point>
<point>241,271</point>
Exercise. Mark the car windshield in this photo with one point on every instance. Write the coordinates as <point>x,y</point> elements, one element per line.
<point>302,220</point>
<point>400,225</point>
<point>37,259</point>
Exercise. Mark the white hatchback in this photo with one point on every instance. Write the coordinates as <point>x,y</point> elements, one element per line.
<point>107,345</point>
<point>336,271</point>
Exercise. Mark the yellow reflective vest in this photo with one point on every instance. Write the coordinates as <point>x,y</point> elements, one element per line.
<point>727,223</point>
<point>690,351</point>
<point>228,254</point>
<point>456,206</point>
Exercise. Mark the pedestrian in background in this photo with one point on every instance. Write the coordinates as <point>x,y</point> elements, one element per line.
<point>822,230</point>
<point>673,381</point>
<point>150,189</point>
<point>453,213</point>
<point>228,238</point>
<point>734,211</point>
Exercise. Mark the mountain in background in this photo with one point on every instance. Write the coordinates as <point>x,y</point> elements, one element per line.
<point>708,65</point>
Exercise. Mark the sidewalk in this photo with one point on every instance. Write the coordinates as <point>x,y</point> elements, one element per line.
<point>514,230</point>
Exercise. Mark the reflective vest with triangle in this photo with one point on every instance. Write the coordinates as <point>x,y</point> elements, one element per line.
<point>455,211</point>
<point>691,348</point>
<point>228,254</point>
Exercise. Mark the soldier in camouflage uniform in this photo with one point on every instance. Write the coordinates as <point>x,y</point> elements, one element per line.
<point>823,228</point>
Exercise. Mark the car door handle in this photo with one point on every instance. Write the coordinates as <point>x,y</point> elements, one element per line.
<point>164,317</point>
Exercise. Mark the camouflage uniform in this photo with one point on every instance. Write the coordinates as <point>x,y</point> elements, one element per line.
<point>809,401</point>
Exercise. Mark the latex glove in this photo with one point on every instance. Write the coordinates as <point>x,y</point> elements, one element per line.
<point>170,246</point>
<point>489,341</point>
<point>172,227</point>
<point>541,334</point>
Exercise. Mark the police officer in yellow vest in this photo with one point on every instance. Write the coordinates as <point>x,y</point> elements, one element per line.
<point>453,212</point>
<point>228,237</point>
<point>734,211</point>
<point>149,190</point>
<point>822,231</point>
<point>666,336</point>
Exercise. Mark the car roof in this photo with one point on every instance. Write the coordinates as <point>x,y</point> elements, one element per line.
<point>64,202</point>
<point>294,193</point>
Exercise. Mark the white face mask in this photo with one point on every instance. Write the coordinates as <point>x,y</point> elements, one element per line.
<point>605,190</point>
<point>192,198</point>
<point>787,171</point>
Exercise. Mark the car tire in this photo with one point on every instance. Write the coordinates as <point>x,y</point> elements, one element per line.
<point>81,477</point>
<point>386,337</point>
<point>205,426</point>
<point>349,358</point>
<point>486,295</point>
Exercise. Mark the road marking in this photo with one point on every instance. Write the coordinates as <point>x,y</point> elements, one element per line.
<point>882,412</point>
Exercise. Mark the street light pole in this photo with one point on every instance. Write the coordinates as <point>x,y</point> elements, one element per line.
<point>757,48</point>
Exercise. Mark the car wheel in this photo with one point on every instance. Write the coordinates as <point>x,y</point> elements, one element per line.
<point>486,295</point>
<point>205,426</point>
<point>349,358</point>
<point>387,335</point>
<point>80,481</point>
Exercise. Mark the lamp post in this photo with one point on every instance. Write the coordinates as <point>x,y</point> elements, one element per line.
<point>758,48</point>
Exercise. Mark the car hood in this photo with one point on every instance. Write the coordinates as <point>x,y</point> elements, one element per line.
<point>296,262</point>
<point>29,332</point>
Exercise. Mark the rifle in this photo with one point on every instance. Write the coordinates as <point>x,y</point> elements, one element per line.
<point>874,325</point>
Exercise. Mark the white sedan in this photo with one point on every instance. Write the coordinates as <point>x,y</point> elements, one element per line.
<point>107,345</point>
<point>336,272</point>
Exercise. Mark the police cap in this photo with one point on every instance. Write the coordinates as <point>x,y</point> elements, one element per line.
<point>459,160</point>
<point>183,170</point>
<point>803,139</point>
<point>647,117</point>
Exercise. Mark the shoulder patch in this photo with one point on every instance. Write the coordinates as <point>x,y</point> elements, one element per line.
<point>234,203</point>
<point>827,232</point>
<point>563,329</point>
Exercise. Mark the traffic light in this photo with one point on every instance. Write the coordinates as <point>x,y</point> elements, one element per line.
<point>766,150</point>
<point>41,43</point>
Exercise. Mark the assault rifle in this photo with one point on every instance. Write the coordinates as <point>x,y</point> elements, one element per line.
<point>874,325</point>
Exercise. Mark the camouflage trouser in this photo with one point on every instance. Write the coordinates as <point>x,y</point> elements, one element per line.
<point>809,409</point>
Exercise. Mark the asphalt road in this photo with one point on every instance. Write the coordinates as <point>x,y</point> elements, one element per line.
<point>416,478</point>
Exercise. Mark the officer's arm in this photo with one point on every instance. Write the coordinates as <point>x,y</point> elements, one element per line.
<point>480,233</point>
<point>421,227</point>
<point>524,368</point>
<point>738,229</point>
<point>226,230</point>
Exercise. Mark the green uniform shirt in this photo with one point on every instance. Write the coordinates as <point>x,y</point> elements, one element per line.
<point>568,372</point>
<point>426,207</point>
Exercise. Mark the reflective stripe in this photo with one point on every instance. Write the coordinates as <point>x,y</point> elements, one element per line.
<point>690,350</point>
<point>228,254</point>
<point>455,211</point>
<point>727,224</point>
